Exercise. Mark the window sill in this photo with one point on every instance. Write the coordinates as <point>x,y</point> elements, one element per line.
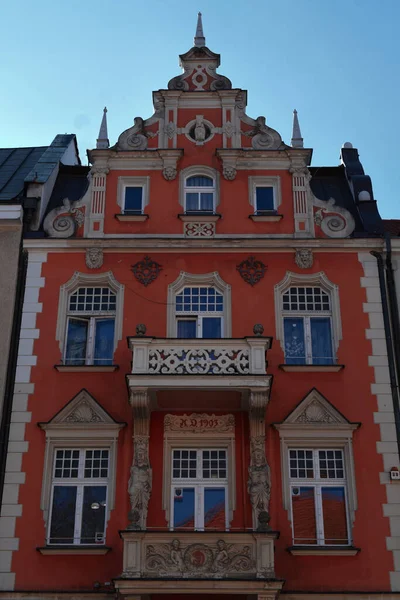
<point>86,368</point>
<point>270,218</point>
<point>323,550</point>
<point>199,217</point>
<point>52,550</point>
<point>134,218</point>
<point>311,368</point>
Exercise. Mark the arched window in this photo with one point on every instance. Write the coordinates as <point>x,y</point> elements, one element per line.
<point>199,191</point>
<point>308,320</point>
<point>199,312</point>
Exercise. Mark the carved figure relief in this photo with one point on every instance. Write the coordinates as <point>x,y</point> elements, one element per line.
<point>251,270</point>
<point>259,482</point>
<point>146,270</point>
<point>170,173</point>
<point>229,173</point>
<point>304,258</point>
<point>199,560</point>
<point>140,482</point>
<point>199,130</point>
<point>94,258</point>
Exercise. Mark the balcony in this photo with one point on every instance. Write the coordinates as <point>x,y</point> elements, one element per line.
<point>197,555</point>
<point>233,364</point>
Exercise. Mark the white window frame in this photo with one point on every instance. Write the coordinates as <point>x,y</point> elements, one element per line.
<point>88,280</point>
<point>315,280</point>
<point>91,317</point>
<point>307,315</point>
<point>199,170</point>
<point>317,483</point>
<point>199,484</point>
<point>202,280</point>
<point>82,423</point>
<point>199,190</point>
<point>204,440</point>
<point>124,182</point>
<point>316,424</point>
<point>260,181</point>
<point>80,483</point>
<point>199,315</point>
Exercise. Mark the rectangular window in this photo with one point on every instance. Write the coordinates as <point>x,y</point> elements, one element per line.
<point>199,489</point>
<point>79,496</point>
<point>90,341</point>
<point>318,497</point>
<point>264,201</point>
<point>133,200</point>
<point>308,340</point>
<point>200,327</point>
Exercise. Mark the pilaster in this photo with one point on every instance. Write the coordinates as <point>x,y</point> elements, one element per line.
<point>97,201</point>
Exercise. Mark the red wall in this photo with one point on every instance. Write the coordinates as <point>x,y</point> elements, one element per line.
<point>348,390</point>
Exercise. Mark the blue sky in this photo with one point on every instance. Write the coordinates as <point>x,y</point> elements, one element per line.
<point>335,61</point>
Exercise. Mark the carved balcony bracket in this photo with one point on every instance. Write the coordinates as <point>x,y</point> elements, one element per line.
<point>259,482</point>
<point>140,481</point>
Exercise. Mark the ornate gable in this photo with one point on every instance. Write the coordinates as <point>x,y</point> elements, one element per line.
<point>316,410</point>
<point>82,411</point>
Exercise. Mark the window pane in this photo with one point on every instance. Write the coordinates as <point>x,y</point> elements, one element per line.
<point>264,198</point>
<point>295,351</point>
<point>206,202</point>
<point>104,342</point>
<point>334,511</point>
<point>184,508</point>
<point>133,199</point>
<point>199,181</point>
<point>76,342</point>
<point>214,508</point>
<point>63,515</point>
<point>321,341</point>
<point>303,506</point>
<point>192,201</point>
<point>187,328</point>
<point>212,327</point>
<point>93,514</point>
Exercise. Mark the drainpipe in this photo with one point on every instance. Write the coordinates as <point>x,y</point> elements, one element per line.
<point>389,344</point>
<point>393,304</point>
<point>12,365</point>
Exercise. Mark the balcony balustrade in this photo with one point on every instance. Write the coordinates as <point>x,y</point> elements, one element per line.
<point>199,363</point>
<point>198,555</point>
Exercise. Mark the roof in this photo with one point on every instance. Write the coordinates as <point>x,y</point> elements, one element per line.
<point>15,164</point>
<point>72,182</point>
<point>392,226</point>
<point>50,158</point>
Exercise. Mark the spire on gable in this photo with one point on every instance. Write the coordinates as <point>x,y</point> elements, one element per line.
<point>103,141</point>
<point>297,140</point>
<point>199,39</point>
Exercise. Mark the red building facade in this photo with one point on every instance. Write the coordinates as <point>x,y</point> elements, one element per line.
<point>202,403</point>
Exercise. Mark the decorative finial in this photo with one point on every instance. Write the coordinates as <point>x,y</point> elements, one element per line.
<point>297,140</point>
<point>103,141</point>
<point>199,39</point>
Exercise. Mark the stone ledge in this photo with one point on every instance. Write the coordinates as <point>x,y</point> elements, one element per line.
<point>311,368</point>
<point>199,217</point>
<point>323,550</point>
<point>86,368</point>
<point>269,218</point>
<point>79,550</point>
<point>133,218</point>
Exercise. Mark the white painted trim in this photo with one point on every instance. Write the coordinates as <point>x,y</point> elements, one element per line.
<point>87,279</point>
<point>319,279</point>
<point>257,181</point>
<point>191,279</point>
<point>198,170</point>
<point>10,212</point>
<point>123,182</point>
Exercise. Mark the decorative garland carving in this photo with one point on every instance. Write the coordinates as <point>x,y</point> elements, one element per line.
<point>199,559</point>
<point>304,258</point>
<point>252,270</point>
<point>146,270</point>
<point>199,423</point>
<point>94,258</point>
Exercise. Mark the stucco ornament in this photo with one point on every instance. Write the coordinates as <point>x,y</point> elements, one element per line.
<point>304,258</point>
<point>134,138</point>
<point>201,560</point>
<point>83,414</point>
<point>139,486</point>
<point>146,270</point>
<point>94,258</point>
<point>170,173</point>
<point>60,222</point>
<point>252,270</point>
<point>229,173</point>
<point>199,130</point>
<point>335,221</point>
<point>259,482</point>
